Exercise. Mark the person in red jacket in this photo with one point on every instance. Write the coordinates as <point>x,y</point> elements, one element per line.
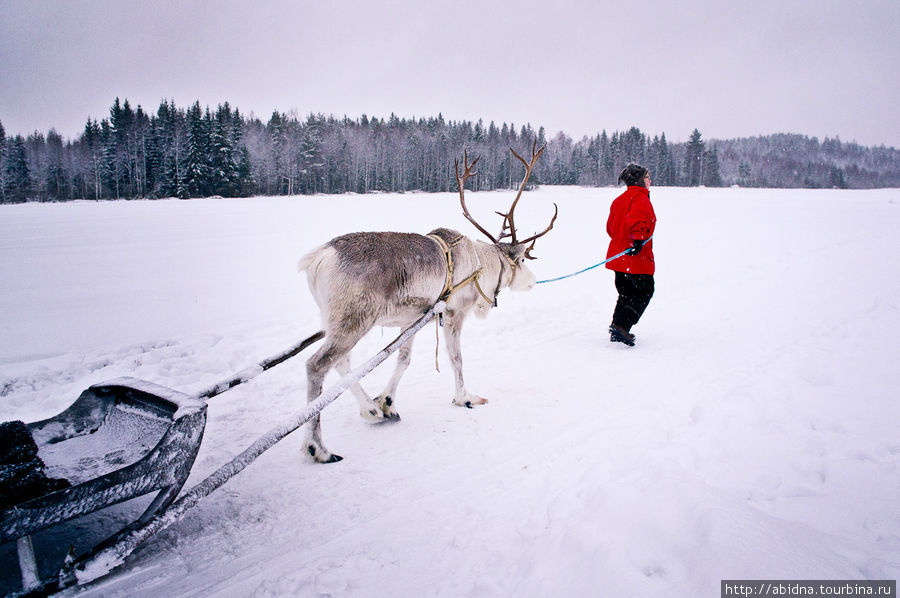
<point>631,224</point>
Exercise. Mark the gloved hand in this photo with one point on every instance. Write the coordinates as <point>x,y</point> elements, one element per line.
<point>638,244</point>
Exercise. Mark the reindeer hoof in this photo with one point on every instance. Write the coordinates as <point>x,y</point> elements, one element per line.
<point>389,418</point>
<point>470,403</point>
<point>317,455</point>
<point>372,415</point>
<point>386,405</point>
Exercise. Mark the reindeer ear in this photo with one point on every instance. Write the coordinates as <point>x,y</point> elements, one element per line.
<point>516,252</point>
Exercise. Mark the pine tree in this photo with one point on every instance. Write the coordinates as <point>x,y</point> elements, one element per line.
<point>3,152</point>
<point>310,161</point>
<point>36,156</point>
<point>17,179</point>
<point>56,177</point>
<point>118,149</point>
<point>125,151</point>
<point>744,172</point>
<point>171,142</point>
<point>633,143</point>
<point>153,158</point>
<point>664,168</point>
<point>245,181</point>
<point>711,175</point>
<point>607,161</point>
<point>837,178</point>
<point>693,161</point>
<point>195,179</point>
<point>92,151</point>
<point>223,169</point>
<point>140,142</point>
<point>110,173</point>
<point>277,129</point>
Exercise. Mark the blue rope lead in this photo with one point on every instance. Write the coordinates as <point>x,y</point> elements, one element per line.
<point>606,261</point>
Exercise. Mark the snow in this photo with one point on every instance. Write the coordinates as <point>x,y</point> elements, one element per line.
<point>751,433</point>
<point>125,437</point>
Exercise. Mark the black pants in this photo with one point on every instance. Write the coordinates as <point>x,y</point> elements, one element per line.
<point>635,291</point>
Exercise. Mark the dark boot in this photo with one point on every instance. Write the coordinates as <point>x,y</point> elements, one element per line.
<point>617,334</point>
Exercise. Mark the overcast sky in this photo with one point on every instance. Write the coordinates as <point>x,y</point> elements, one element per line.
<point>731,68</point>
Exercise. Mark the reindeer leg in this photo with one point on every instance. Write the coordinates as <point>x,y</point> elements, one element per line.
<point>368,409</point>
<point>316,368</point>
<point>387,398</point>
<point>452,331</point>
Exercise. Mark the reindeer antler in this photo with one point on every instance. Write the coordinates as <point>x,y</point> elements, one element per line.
<point>509,221</point>
<point>508,218</point>
<point>461,182</point>
<point>534,238</point>
<point>508,229</point>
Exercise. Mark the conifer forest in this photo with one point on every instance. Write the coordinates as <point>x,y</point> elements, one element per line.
<point>197,152</point>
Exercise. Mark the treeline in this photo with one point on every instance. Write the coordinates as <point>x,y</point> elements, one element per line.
<point>196,152</point>
<point>798,161</point>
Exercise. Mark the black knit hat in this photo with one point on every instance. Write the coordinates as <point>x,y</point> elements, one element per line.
<point>633,175</point>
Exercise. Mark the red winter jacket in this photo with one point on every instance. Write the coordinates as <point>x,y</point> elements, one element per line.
<point>631,217</point>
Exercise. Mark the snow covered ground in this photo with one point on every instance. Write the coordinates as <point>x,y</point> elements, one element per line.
<point>752,433</point>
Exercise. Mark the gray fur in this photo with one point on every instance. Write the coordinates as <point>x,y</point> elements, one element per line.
<point>362,280</point>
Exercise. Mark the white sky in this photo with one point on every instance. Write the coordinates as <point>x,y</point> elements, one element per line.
<point>728,67</point>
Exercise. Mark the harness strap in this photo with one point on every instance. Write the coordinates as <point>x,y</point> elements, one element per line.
<point>449,288</point>
<point>512,268</point>
<point>483,296</point>
<point>473,277</point>
<point>448,257</point>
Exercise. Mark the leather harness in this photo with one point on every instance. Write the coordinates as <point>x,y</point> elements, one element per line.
<point>449,287</point>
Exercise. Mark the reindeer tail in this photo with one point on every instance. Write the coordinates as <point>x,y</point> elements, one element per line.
<point>309,261</point>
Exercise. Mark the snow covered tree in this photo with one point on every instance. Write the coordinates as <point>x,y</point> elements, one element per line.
<point>195,182</point>
<point>607,161</point>
<point>57,179</point>
<point>633,147</point>
<point>93,149</point>
<point>36,156</point>
<point>277,128</point>
<point>3,144</point>
<point>837,178</point>
<point>17,180</point>
<point>665,173</point>
<point>185,153</point>
<point>693,161</point>
<point>119,151</point>
<point>744,173</point>
<point>139,143</point>
<point>711,175</point>
<point>170,151</point>
<point>223,169</point>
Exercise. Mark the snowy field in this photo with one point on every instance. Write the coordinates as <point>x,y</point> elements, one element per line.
<point>752,433</point>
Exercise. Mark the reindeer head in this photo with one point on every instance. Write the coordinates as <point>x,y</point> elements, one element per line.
<point>515,251</point>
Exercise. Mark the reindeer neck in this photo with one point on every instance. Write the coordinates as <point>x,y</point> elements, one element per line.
<point>496,264</point>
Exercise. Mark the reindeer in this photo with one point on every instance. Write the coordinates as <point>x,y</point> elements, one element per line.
<point>368,279</point>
